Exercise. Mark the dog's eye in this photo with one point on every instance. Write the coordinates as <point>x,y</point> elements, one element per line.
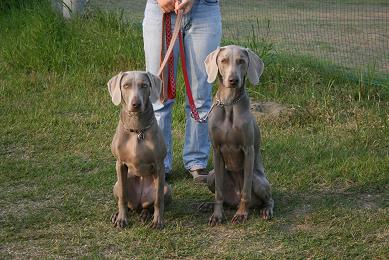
<point>224,61</point>
<point>143,85</point>
<point>127,85</point>
<point>240,61</point>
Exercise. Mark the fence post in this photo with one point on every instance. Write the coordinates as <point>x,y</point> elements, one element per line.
<point>69,8</point>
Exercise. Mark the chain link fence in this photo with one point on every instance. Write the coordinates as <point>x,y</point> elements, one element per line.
<point>353,34</point>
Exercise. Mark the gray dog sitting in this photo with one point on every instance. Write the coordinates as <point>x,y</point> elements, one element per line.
<point>139,148</point>
<point>238,178</point>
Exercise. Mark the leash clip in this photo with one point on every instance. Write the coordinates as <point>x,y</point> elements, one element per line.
<point>199,119</point>
<point>141,136</point>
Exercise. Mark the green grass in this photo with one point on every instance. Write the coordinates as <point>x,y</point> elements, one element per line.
<point>328,160</point>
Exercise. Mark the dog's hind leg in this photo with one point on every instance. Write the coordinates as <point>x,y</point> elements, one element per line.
<point>262,191</point>
<point>208,206</point>
<point>211,181</point>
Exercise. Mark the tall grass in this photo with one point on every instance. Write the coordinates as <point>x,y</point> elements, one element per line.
<point>43,41</point>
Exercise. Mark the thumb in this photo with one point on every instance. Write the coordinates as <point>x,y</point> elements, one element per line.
<point>182,6</point>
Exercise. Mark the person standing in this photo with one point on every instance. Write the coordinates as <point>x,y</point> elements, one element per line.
<point>201,29</point>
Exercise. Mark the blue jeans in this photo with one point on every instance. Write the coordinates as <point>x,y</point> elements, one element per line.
<point>201,29</point>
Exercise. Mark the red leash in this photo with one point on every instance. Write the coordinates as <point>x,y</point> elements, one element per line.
<point>171,88</point>
<point>169,58</point>
<point>193,109</point>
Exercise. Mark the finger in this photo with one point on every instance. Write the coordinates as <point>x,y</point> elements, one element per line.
<point>185,7</point>
<point>170,6</point>
<point>180,7</point>
<point>168,10</point>
<point>176,5</point>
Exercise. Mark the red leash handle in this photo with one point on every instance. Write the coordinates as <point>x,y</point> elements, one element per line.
<point>171,86</point>
<point>176,31</point>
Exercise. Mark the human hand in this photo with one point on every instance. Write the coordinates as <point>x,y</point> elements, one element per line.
<point>185,5</point>
<point>166,6</point>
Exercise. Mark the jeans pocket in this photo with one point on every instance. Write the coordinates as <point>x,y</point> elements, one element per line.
<point>211,2</point>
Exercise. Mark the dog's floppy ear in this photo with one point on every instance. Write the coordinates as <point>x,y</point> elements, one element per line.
<point>115,89</point>
<point>156,87</point>
<point>211,65</point>
<point>255,68</point>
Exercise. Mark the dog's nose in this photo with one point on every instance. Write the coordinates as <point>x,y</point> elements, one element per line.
<point>233,80</point>
<point>135,104</point>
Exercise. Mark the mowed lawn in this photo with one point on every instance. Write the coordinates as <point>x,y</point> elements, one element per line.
<point>327,156</point>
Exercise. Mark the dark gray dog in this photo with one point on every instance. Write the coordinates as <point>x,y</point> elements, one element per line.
<point>238,178</point>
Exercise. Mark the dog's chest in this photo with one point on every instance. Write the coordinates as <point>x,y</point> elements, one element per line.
<point>227,131</point>
<point>226,128</point>
<point>139,156</point>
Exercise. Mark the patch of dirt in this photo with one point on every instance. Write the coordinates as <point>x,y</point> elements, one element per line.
<point>269,110</point>
<point>17,152</point>
<point>371,201</point>
<point>25,208</point>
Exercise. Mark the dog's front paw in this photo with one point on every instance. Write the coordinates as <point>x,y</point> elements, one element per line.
<point>266,212</point>
<point>119,220</point>
<point>157,223</point>
<point>239,217</point>
<point>145,215</point>
<point>215,219</point>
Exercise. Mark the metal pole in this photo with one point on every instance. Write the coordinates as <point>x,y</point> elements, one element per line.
<point>69,8</point>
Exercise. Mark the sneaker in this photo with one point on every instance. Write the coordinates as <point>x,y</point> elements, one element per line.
<point>199,175</point>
